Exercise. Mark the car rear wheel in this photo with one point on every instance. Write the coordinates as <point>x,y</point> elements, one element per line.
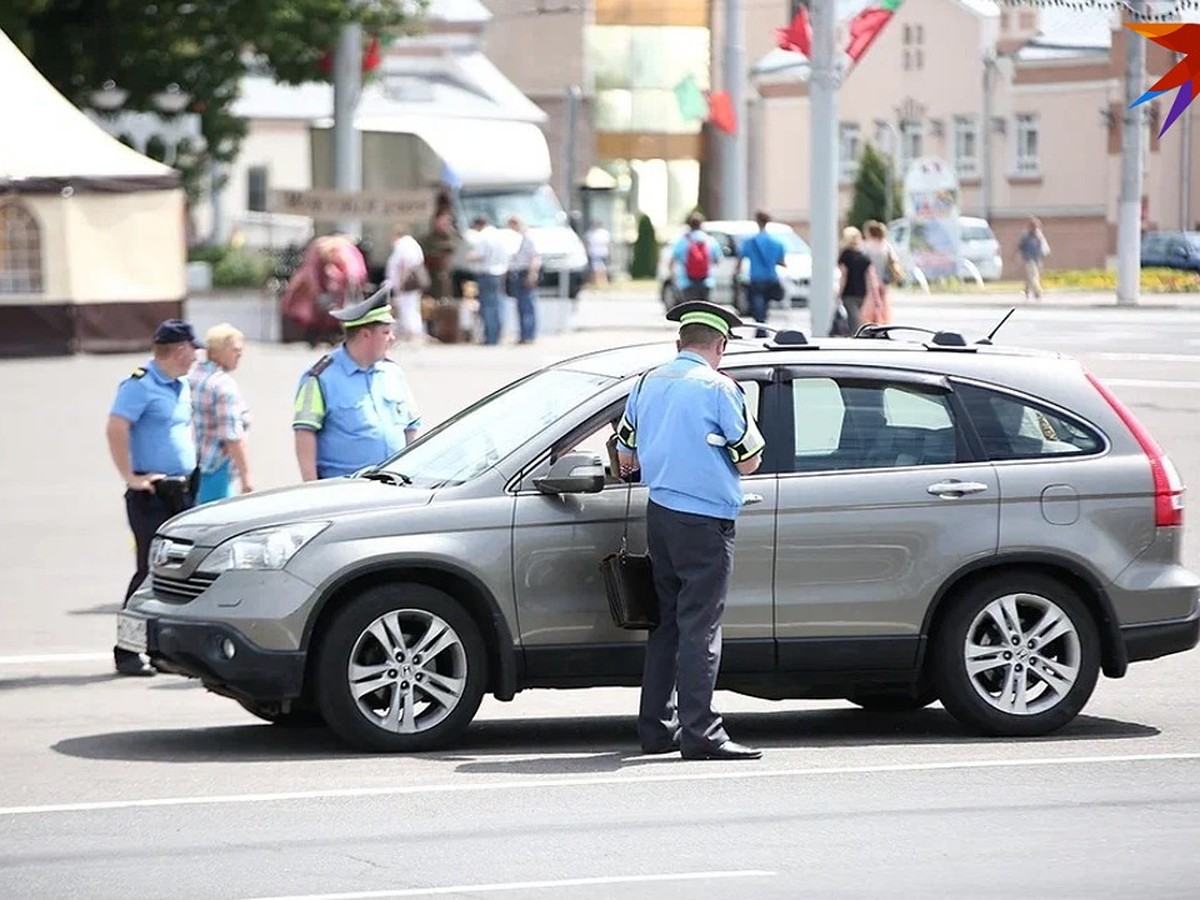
<point>401,669</point>
<point>1017,655</point>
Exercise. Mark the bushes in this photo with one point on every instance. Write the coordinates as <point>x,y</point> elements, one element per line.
<point>234,267</point>
<point>645,250</point>
<point>1164,281</point>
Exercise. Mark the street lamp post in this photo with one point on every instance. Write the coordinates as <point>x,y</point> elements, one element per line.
<point>170,124</point>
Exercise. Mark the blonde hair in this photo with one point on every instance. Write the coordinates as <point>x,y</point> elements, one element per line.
<point>221,336</point>
<point>851,236</point>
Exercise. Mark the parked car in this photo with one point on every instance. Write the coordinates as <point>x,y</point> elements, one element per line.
<point>732,277</point>
<point>979,246</point>
<point>932,520</point>
<point>1171,250</point>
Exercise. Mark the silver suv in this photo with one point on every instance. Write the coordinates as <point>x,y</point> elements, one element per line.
<point>933,520</point>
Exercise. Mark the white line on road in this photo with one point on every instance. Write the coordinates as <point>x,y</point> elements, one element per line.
<point>1145,357</point>
<point>706,774</point>
<point>45,658</point>
<point>529,885</point>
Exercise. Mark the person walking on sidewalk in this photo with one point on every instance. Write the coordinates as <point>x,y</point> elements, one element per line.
<point>1033,249</point>
<point>523,273</point>
<point>489,263</point>
<point>694,261</point>
<point>220,416</point>
<point>765,253</point>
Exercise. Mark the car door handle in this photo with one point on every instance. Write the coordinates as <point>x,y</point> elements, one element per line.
<point>747,499</point>
<point>956,488</point>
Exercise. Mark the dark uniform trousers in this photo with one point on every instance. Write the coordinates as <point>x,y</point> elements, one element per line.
<point>691,559</point>
<point>147,512</point>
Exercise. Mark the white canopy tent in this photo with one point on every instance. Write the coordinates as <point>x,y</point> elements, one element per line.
<point>92,233</point>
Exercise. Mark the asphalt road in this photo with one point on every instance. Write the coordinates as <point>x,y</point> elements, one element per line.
<point>116,786</point>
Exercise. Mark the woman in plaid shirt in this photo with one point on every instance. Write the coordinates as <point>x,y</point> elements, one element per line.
<point>220,416</point>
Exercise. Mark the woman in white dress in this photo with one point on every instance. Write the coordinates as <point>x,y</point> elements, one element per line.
<point>406,257</point>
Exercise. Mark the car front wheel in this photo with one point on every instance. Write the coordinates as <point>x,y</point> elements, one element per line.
<point>1017,655</point>
<point>401,669</point>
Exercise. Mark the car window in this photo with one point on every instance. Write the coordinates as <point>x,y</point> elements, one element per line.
<point>977,233</point>
<point>857,425</point>
<point>1013,428</point>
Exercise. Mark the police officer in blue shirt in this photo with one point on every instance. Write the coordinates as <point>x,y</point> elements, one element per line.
<point>686,426</point>
<point>354,407</point>
<point>151,442</point>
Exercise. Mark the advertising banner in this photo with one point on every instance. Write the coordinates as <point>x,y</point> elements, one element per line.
<point>931,205</point>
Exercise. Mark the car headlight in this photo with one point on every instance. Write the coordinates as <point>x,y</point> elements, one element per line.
<point>267,548</point>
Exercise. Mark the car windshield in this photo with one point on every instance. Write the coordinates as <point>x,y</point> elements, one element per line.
<point>477,438</point>
<point>537,207</point>
<point>976,233</point>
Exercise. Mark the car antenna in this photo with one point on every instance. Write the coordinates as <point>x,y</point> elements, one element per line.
<point>988,339</point>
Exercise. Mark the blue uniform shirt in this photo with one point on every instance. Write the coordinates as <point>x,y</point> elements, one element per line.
<point>679,254</point>
<point>359,415</point>
<point>668,419</point>
<point>159,411</point>
<point>765,252</point>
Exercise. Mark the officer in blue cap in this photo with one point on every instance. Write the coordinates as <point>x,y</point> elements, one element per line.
<point>686,426</point>
<point>354,407</point>
<point>151,442</point>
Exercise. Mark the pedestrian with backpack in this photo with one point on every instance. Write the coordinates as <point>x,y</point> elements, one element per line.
<point>694,260</point>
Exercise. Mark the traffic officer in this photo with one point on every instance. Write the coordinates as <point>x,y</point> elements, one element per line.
<point>151,442</point>
<point>686,426</point>
<point>354,407</point>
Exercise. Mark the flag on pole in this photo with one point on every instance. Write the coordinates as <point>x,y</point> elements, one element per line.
<point>720,111</point>
<point>690,98</point>
<point>867,25</point>
<point>797,37</point>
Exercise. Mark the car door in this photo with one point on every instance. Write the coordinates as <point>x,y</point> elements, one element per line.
<point>564,624</point>
<point>885,499</point>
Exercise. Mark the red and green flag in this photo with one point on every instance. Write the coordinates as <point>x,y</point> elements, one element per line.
<point>862,29</point>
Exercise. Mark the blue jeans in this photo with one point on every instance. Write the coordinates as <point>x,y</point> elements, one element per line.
<point>526,297</point>
<point>216,485</point>
<point>489,307</point>
<point>756,292</point>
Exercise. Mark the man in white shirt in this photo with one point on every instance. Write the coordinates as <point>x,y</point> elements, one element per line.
<point>407,259</point>
<point>489,263</point>
<point>523,274</point>
<point>599,247</point>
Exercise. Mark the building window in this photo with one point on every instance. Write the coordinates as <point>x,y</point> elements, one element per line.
<point>966,146</point>
<point>849,149</point>
<point>256,189</point>
<point>1027,144</point>
<point>914,53</point>
<point>912,143</point>
<point>20,250</point>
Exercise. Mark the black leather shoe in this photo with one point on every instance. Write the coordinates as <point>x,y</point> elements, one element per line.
<point>128,663</point>
<point>727,750</point>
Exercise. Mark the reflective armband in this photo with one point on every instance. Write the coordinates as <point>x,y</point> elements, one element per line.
<point>627,434</point>
<point>751,443</point>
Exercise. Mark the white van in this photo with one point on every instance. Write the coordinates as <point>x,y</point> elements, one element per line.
<point>980,248</point>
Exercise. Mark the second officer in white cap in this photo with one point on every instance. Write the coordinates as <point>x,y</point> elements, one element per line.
<point>354,408</point>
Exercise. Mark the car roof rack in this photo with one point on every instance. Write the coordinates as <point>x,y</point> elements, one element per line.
<point>780,338</point>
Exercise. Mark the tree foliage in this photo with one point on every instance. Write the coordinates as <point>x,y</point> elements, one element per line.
<point>870,190</point>
<point>204,46</point>
<point>645,250</point>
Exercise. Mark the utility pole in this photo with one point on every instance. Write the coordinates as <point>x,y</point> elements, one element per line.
<point>570,152</point>
<point>823,195</point>
<point>347,143</point>
<point>985,135</point>
<point>1129,204</point>
<point>735,160</point>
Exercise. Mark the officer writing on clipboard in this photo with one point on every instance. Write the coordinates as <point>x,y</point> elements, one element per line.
<point>686,426</point>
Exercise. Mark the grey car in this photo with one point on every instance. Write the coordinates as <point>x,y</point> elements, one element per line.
<point>933,520</point>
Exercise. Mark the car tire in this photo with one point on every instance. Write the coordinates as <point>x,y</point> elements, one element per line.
<point>419,702</point>
<point>1027,685</point>
<point>670,296</point>
<point>296,717</point>
<point>894,700</point>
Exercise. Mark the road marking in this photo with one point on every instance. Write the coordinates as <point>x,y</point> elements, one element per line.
<point>1143,382</point>
<point>529,885</point>
<point>1146,357</point>
<point>43,658</point>
<point>706,774</point>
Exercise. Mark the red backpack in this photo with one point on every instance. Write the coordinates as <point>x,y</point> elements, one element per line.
<point>695,263</point>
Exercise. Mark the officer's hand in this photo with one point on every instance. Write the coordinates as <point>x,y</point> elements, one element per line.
<point>144,482</point>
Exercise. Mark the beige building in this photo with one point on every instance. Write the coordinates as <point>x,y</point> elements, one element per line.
<point>1053,109</point>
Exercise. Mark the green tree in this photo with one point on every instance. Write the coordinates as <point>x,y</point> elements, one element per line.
<point>204,46</point>
<point>645,250</point>
<point>871,188</point>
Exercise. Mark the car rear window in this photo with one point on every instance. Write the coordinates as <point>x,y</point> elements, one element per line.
<point>1012,427</point>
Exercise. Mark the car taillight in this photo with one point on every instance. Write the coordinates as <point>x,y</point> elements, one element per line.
<point>1168,486</point>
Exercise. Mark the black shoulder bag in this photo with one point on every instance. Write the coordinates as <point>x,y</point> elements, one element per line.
<point>632,600</point>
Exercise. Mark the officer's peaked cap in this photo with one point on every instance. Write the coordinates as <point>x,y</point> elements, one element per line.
<point>701,312</point>
<point>176,331</point>
<point>375,309</point>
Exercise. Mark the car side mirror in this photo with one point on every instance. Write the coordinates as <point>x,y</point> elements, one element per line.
<point>574,473</point>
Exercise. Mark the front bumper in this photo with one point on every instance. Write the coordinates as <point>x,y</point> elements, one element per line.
<point>198,650</point>
<point>1154,639</point>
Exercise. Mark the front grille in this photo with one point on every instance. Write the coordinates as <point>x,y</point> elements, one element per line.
<point>181,590</point>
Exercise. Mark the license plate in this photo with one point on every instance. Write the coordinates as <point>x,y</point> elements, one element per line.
<point>131,632</point>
